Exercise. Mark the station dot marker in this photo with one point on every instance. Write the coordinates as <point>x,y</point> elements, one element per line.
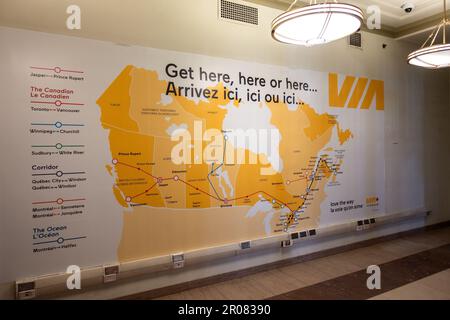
<point>273,201</point>
<point>114,161</point>
<point>58,146</point>
<point>225,201</point>
<point>58,124</point>
<point>59,201</point>
<point>225,137</point>
<point>288,182</point>
<point>60,240</point>
<point>59,173</point>
<point>282,206</point>
<point>57,69</point>
<point>128,199</point>
<point>160,180</point>
<point>175,178</point>
<point>58,103</point>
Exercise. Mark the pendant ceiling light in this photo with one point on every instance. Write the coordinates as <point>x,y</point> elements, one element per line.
<point>432,55</point>
<point>317,23</point>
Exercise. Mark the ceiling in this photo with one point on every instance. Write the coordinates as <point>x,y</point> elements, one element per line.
<point>392,14</point>
<point>45,15</point>
<point>395,21</point>
<point>421,37</point>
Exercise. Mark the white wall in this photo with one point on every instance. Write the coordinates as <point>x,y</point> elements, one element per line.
<point>436,148</point>
<point>417,111</point>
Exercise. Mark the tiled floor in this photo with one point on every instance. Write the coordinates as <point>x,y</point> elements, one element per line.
<point>434,287</point>
<point>393,274</point>
<point>417,261</point>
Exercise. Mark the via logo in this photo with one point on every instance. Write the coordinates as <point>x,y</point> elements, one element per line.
<point>355,93</point>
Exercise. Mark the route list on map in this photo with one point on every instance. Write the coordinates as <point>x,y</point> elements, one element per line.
<point>57,155</point>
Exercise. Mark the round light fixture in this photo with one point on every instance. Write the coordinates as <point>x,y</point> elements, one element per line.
<point>317,23</point>
<point>433,56</point>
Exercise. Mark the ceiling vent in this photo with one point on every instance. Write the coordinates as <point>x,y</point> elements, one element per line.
<point>355,40</point>
<point>238,12</point>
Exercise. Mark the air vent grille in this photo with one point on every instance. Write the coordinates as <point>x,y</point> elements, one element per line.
<point>355,40</point>
<point>238,12</point>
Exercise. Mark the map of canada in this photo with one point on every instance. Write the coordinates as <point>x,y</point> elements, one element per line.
<point>175,207</point>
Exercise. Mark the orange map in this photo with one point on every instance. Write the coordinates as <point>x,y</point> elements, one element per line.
<point>170,207</point>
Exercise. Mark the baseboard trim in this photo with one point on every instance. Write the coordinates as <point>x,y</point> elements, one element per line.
<point>159,292</point>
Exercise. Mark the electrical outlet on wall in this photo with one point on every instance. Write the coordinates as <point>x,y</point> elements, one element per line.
<point>245,245</point>
<point>110,273</point>
<point>25,289</point>
<point>178,260</point>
